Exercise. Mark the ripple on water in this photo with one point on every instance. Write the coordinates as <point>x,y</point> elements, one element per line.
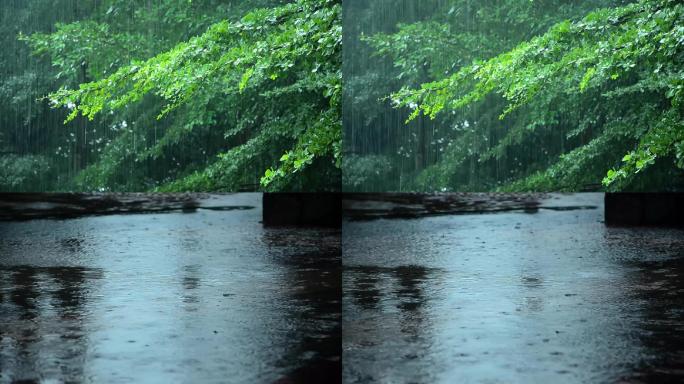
<point>545,296</point>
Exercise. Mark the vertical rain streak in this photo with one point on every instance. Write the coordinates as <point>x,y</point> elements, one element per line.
<point>118,150</point>
<point>39,151</point>
<point>390,45</point>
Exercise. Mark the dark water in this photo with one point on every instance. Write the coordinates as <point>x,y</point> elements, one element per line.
<point>192,295</point>
<point>544,295</point>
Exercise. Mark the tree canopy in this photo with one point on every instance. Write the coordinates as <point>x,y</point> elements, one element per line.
<point>177,95</point>
<point>544,95</point>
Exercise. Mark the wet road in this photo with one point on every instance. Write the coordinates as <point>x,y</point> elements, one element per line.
<point>193,295</point>
<point>538,293</point>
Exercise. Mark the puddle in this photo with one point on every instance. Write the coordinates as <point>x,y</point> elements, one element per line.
<point>169,297</point>
<point>509,296</point>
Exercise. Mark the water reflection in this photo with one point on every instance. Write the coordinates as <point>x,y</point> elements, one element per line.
<point>314,291</point>
<point>411,300</point>
<point>190,283</point>
<point>43,320</point>
<point>532,295</point>
<point>404,326</point>
<point>366,292</point>
<point>512,297</point>
<point>188,297</point>
<point>659,286</point>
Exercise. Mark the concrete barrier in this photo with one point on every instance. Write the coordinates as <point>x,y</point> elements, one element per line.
<point>644,209</point>
<point>302,209</point>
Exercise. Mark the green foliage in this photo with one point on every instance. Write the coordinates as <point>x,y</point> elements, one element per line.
<point>174,95</point>
<point>395,44</point>
<point>366,170</point>
<point>83,49</point>
<point>18,173</point>
<point>271,55</point>
<point>608,83</point>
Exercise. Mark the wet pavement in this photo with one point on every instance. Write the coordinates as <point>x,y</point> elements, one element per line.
<point>537,290</point>
<point>199,293</point>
